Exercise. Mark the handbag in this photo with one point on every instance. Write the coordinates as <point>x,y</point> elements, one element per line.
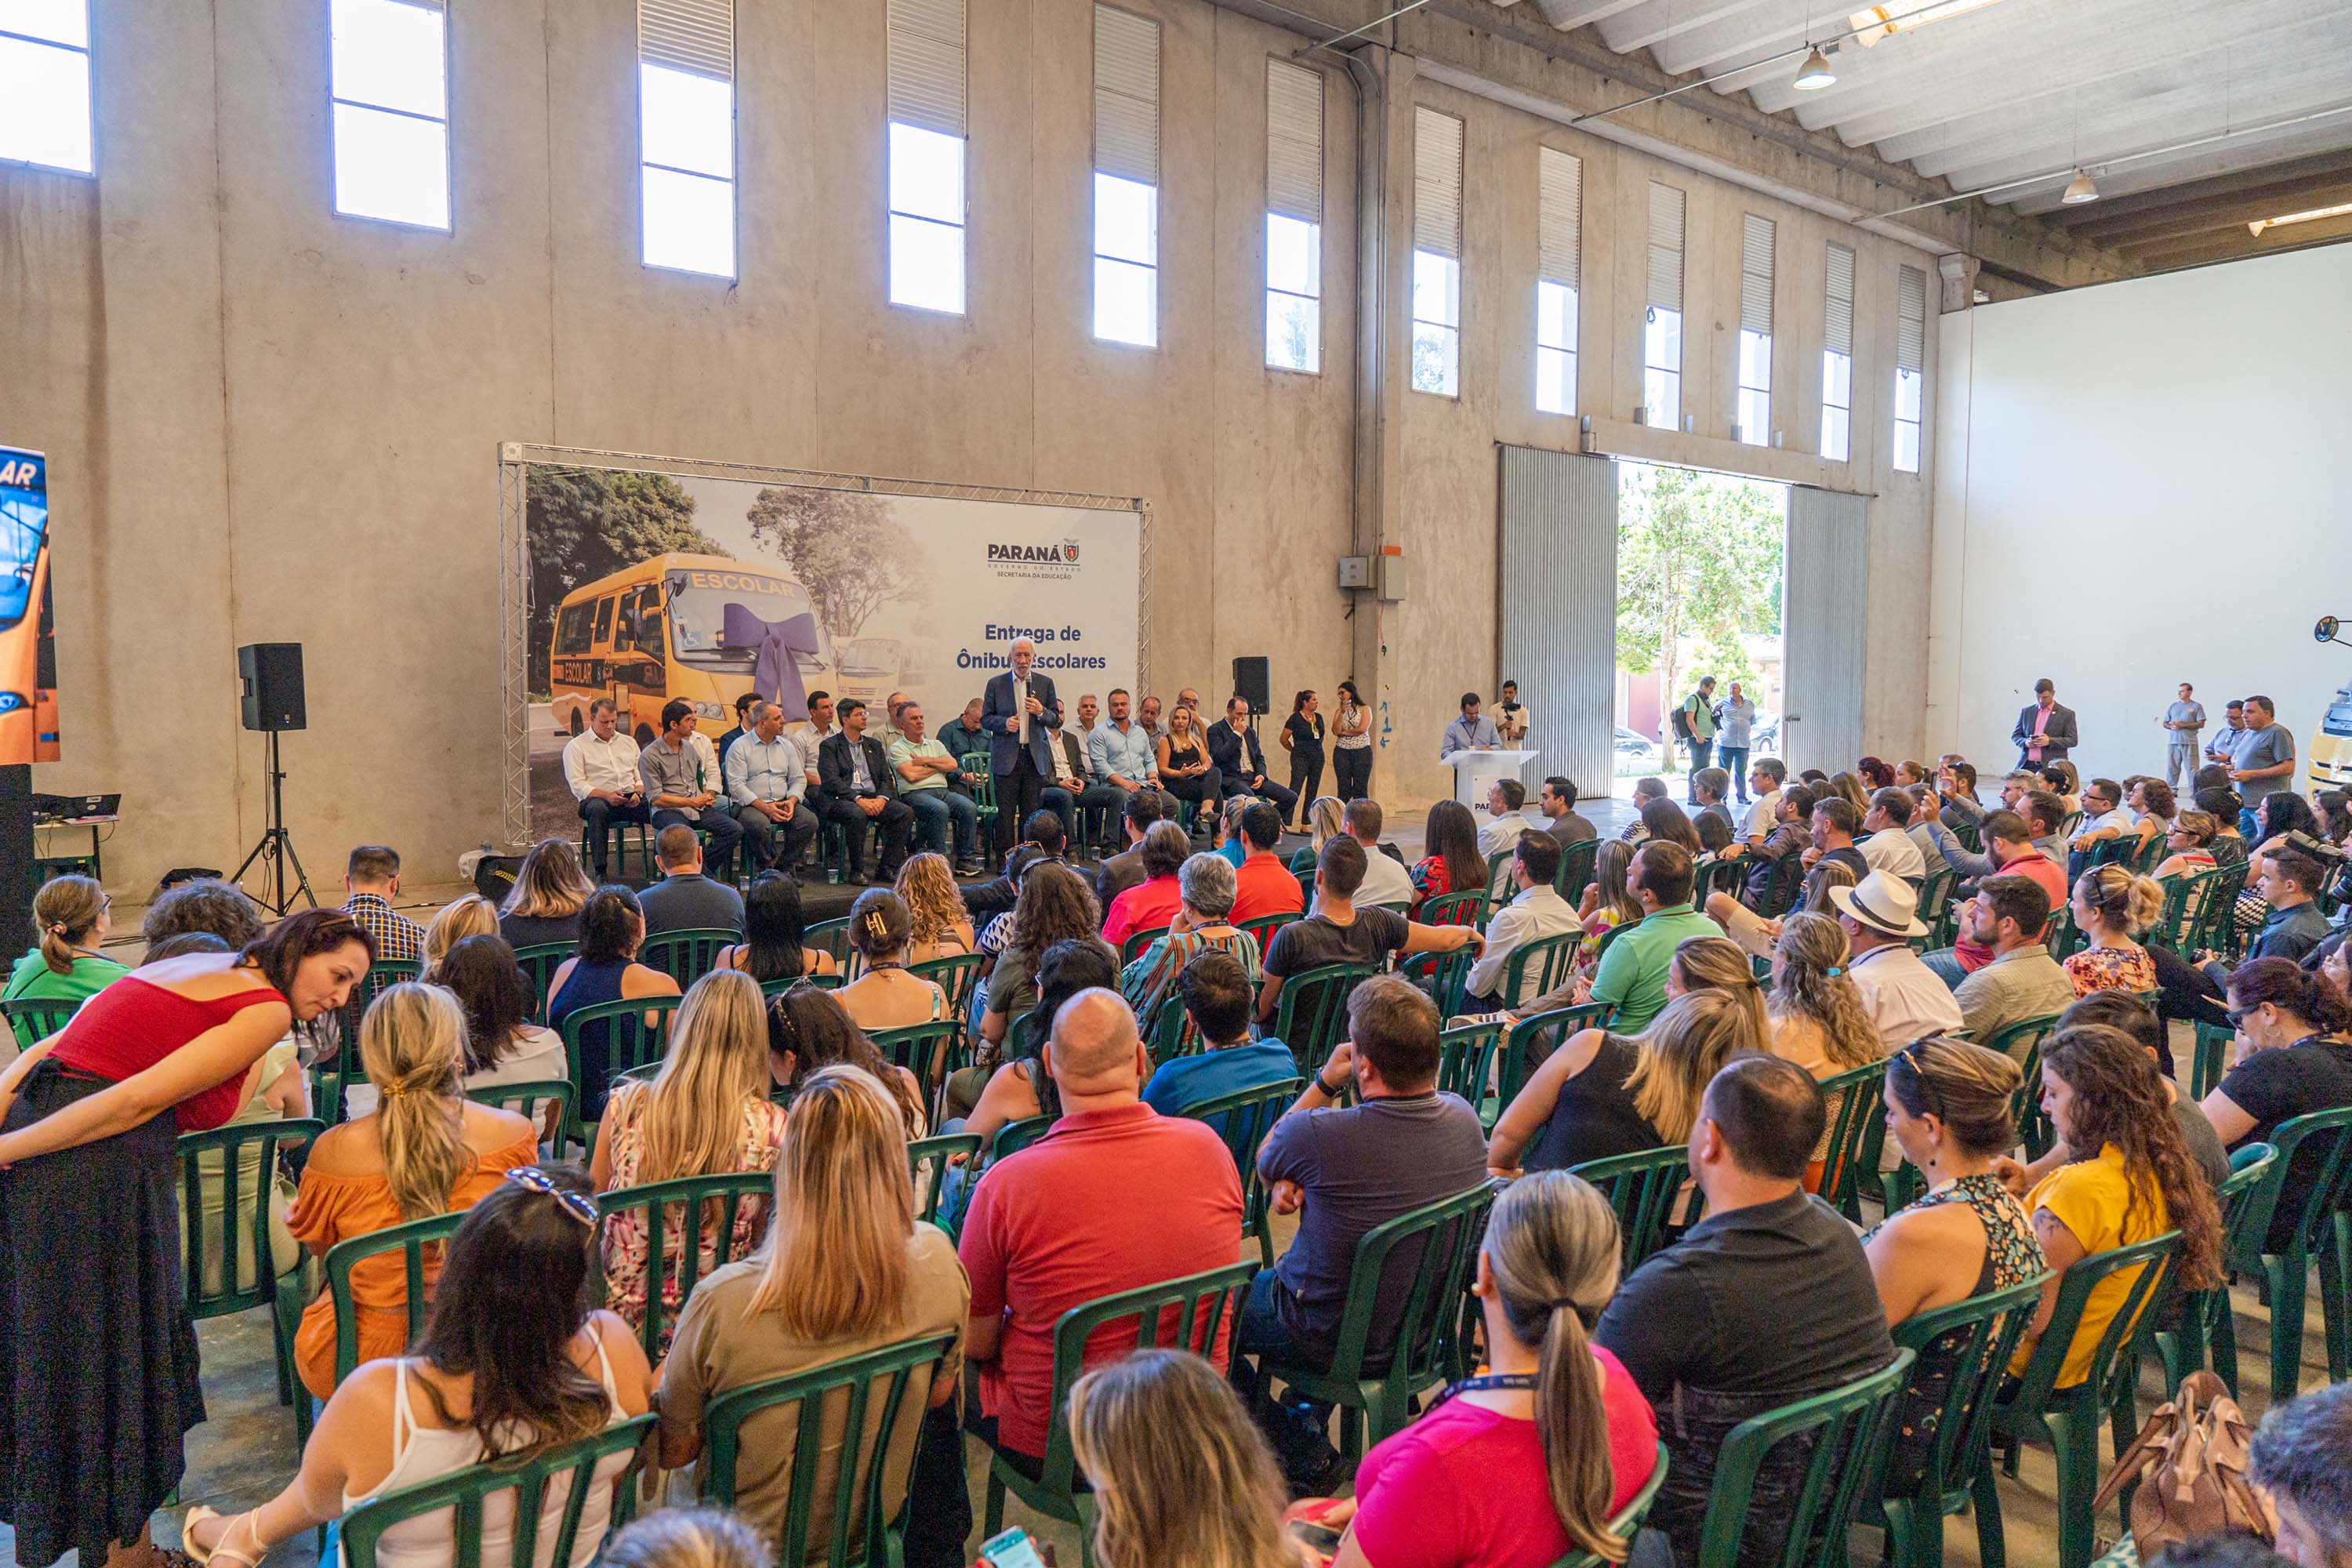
<point>2189,1463</point>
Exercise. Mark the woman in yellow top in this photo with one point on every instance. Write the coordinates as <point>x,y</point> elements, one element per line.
<point>2102,1091</point>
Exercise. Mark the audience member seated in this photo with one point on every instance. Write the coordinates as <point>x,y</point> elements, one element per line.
<point>705,1114</point>
<point>2297,1459</point>
<point>599,768</point>
<point>1339,931</point>
<point>1710,788</point>
<point>2102,819</point>
<point>1525,1466</point>
<point>767,787</point>
<point>937,924</point>
<point>1856,793</point>
<point>1645,790</point>
<point>2009,852</point>
<point>1218,991</point>
<point>1608,900</point>
<point>208,905</point>
<point>2189,846</point>
<point>1632,975</point>
<point>1817,1017</point>
<point>1056,905</point>
<point>1534,912</point>
<point>2112,906</point>
<point>1558,805</point>
<point>1923,802</point>
<point>1506,799</point>
<point>1451,861</point>
<point>1663,822</point>
<point>684,898</point>
<point>427,1149</point>
<point>371,882</point>
<point>1767,778</point>
<point>1151,904</point>
<point>1021,1088</point>
<point>453,922</point>
<point>2293,1058</point>
<point>861,793</point>
<point>2114,1010</point>
<point>606,968</point>
<point>501,1046</point>
<point>1765,1301</point>
<point>1790,817</point>
<point>70,922</point>
<point>1386,882</point>
<point>516,1284</point>
<point>927,771</point>
<point>1835,821</point>
<point>1886,845</point>
<point>1263,885</point>
<point>2287,879</point>
<point>1947,1109</point>
<point>1603,1093</point>
<point>808,1032</point>
<point>2020,980</point>
<point>1327,818</point>
<point>1344,1170</point>
<point>682,781</point>
<point>1056,1225</point>
<point>1241,761</point>
<point>772,933</point>
<point>1756,935</point>
<point>1042,841</point>
<point>1904,997</point>
<point>1203,924</point>
<point>1186,769</point>
<point>2127,1178</point>
<point>1123,870</point>
<point>885,996</point>
<point>544,905</point>
<point>2045,814</point>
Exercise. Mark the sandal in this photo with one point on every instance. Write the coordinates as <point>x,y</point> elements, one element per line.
<point>222,1552</point>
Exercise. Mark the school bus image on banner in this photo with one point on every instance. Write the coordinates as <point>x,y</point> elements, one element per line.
<point>702,628</point>
<point>28,719</point>
<point>871,667</point>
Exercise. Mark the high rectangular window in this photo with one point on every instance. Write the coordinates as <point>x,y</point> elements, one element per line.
<point>45,84</point>
<point>1294,216</point>
<point>1436,253</point>
<point>1126,177</point>
<point>1661,319</point>
<point>1559,247</point>
<point>927,155</point>
<point>686,133</point>
<point>389,85</point>
<point>1755,412</point>
<point>1837,357</point>
<point>1910,364</point>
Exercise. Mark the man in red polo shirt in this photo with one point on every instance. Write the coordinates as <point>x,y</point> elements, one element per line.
<point>2009,851</point>
<point>1263,885</point>
<point>1115,1198</point>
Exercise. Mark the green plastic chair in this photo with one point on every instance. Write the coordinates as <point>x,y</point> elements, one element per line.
<point>1628,1520</point>
<point>630,1042</point>
<point>2068,1419</point>
<point>715,1201</point>
<point>1137,941</point>
<point>926,1163</point>
<point>2209,1062</point>
<point>1575,873</point>
<point>686,957</point>
<point>1444,976</point>
<point>1311,1015</point>
<point>1849,1427</point>
<point>2183,915</point>
<point>1263,927</point>
<point>2203,1324</point>
<point>927,1050</point>
<point>1856,1100</point>
<point>862,1524</point>
<point>2221,932</point>
<point>336,1073</point>
<point>1534,1038</point>
<point>1642,1188</point>
<point>1172,1033</point>
<point>2025,1105</point>
<point>1243,1118</point>
<point>1986,1331</point>
<point>409,1239</point>
<point>1498,880</point>
<point>1454,909</point>
<point>2320,1145</point>
<point>1785,886</point>
<point>243,1158</point>
<point>957,975</point>
<point>1438,1243</point>
<point>568,1466</point>
<point>1466,1067</point>
<point>830,936</point>
<point>539,962</point>
<point>1537,968</point>
<point>1200,1306</point>
<point>36,1018</point>
<point>984,793</point>
<point>771,989</point>
<point>1716,875</point>
<point>532,1102</point>
<point>1934,906</point>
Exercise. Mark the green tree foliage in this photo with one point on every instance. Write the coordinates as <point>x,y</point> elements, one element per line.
<point>582,524</point>
<point>853,554</point>
<point>1698,561</point>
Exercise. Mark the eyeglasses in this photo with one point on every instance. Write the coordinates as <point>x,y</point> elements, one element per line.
<point>573,1203</point>
<point>2238,1016</point>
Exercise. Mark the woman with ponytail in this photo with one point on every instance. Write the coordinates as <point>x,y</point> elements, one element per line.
<point>2112,907</point>
<point>425,1149</point>
<point>70,920</point>
<point>1521,1466</point>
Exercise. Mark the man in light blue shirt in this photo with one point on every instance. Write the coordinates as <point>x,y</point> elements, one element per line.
<point>2182,722</point>
<point>767,778</point>
<point>1469,732</point>
<point>1735,719</point>
<point>1121,750</point>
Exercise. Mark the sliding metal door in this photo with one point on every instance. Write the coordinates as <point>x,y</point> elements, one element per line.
<point>1826,571</point>
<point>1557,609</point>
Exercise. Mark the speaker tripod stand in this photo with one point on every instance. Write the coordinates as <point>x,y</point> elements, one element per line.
<point>275,852</point>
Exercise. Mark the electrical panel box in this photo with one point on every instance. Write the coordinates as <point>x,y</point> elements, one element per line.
<point>1355,571</point>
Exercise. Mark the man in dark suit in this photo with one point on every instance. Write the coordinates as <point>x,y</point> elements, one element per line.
<point>2045,729</point>
<point>1232,746</point>
<point>861,791</point>
<point>1123,870</point>
<point>1017,710</point>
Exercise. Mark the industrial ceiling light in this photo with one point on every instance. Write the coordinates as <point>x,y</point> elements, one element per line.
<point>2313,215</point>
<point>1814,74</point>
<point>1881,22</point>
<point>2080,189</point>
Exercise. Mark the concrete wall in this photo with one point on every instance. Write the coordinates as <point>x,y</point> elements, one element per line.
<point>269,423</point>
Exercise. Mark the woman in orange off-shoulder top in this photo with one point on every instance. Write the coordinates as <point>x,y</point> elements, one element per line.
<point>425,1151</point>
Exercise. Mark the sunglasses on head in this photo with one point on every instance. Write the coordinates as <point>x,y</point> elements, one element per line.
<point>572,1204</point>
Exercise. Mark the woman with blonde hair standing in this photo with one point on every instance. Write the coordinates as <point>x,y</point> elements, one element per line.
<point>706,1113</point>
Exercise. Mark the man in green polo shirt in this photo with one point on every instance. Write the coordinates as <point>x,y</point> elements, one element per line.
<point>1633,973</point>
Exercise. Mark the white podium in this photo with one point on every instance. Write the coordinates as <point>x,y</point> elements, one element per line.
<point>1474,773</point>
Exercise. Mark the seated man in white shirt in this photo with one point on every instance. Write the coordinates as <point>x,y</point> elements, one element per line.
<point>1767,776</point>
<point>1904,997</point>
<point>1534,912</point>
<point>600,765</point>
<point>1505,798</point>
<point>1889,845</point>
<point>1386,882</point>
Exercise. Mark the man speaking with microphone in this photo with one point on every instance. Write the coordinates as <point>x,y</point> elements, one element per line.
<point>1017,711</point>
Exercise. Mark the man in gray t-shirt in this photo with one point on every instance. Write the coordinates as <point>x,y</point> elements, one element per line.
<point>2182,722</point>
<point>2265,760</point>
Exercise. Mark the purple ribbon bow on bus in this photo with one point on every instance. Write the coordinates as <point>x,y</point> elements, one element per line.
<point>775,673</point>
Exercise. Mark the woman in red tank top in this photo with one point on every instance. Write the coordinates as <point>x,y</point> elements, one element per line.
<point>98,1352</point>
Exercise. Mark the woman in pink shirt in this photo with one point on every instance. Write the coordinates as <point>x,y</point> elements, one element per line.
<point>1479,1482</point>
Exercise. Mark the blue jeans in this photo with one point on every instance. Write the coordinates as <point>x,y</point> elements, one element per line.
<point>1733,760</point>
<point>935,811</point>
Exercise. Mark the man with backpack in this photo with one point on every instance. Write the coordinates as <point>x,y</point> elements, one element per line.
<point>1694,725</point>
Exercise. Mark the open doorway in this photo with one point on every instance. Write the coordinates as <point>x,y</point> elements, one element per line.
<point>1699,589</point>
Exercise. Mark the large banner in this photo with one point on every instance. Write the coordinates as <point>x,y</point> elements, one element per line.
<point>649,586</point>
<point>28,712</point>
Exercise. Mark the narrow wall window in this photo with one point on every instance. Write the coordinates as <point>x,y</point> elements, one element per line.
<point>1436,253</point>
<point>1662,322</point>
<point>45,84</point>
<point>927,153</point>
<point>1126,177</point>
<point>1837,357</point>
<point>1755,412</point>
<point>686,133</point>
<point>1910,364</point>
<point>1559,247</point>
<point>389,63</point>
<point>1294,216</point>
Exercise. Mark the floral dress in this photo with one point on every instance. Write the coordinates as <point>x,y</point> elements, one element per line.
<point>625,1232</point>
<point>2111,969</point>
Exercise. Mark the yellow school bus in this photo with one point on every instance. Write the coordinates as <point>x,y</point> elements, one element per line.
<point>2330,766</point>
<point>679,625</point>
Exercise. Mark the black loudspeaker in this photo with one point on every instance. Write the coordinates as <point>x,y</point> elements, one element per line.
<point>1252,684</point>
<point>270,674</point>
